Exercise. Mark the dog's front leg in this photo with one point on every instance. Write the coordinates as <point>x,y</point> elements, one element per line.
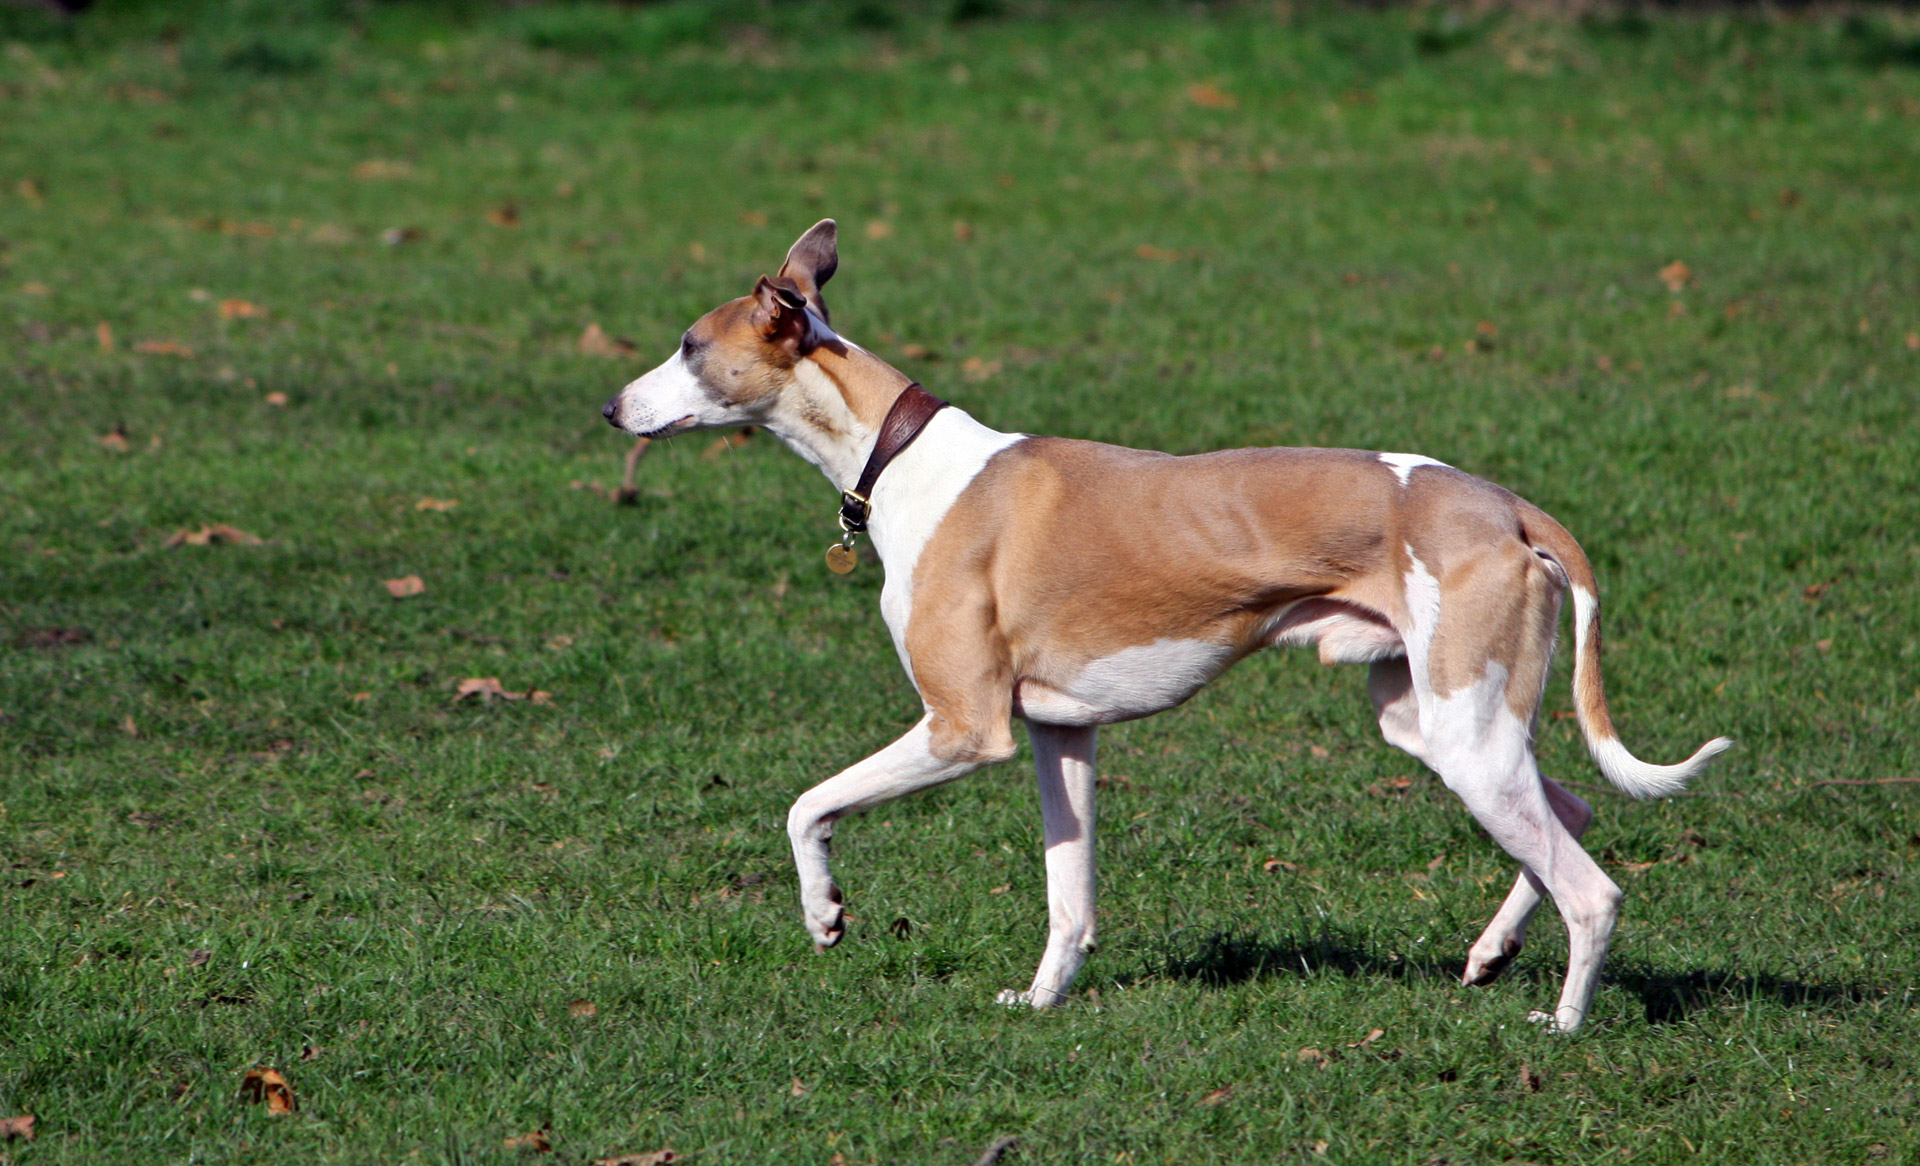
<point>907,765</point>
<point>1063,758</point>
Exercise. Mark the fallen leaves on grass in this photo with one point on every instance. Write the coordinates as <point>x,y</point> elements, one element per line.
<point>1276,864</point>
<point>374,169</point>
<point>12,1128</point>
<point>240,310</point>
<point>1368,1039</point>
<point>1530,1080</point>
<point>395,236</point>
<point>264,1085</point>
<point>218,534</point>
<point>583,1009</point>
<point>1218,1096</point>
<point>277,399</point>
<point>115,440</point>
<point>595,342</point>
<point>162,348</point>
<point>879,229</point>
<point>1154,254</point>
<point>975,369</point>
<point>1390,787</point>
<point>663,1157</point>
<point>799,1088</point>
<point>437,504</point>
<point>54,638</point>
<point>128,727</point>
<point>536,1142</point>
<point>505,215</point>
<point>1676,276</point>
<point>1209,96</point>
<point>405,587</point>
<point>104,332</point>
<point>198,958</point>
<point>488,687</point>
<point>148,820</point>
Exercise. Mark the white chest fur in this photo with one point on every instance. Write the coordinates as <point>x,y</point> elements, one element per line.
<point>915,493</point>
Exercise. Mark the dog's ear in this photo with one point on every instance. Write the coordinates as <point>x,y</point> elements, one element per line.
<point>780,313</point>
<point>812,261</point>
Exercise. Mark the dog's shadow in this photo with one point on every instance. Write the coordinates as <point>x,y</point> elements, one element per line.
<point>1226,958</point>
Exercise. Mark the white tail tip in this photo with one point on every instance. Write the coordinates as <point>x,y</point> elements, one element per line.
<point>1636,778</point>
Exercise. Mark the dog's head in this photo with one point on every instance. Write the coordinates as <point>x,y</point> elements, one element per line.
<point>735,360</point>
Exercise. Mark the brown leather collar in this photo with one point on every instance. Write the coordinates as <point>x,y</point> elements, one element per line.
<point>911,411</point>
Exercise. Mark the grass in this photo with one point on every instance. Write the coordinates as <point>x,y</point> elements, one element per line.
<point>244,822</point>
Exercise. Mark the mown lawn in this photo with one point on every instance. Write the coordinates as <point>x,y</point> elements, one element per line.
<point>301,271</point>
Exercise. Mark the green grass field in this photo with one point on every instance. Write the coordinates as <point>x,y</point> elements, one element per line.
<point>296,272</point>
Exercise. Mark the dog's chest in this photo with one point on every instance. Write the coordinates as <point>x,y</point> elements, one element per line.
<point>914,495</point>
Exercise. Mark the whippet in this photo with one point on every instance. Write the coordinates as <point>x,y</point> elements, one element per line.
<point>1073,585</point>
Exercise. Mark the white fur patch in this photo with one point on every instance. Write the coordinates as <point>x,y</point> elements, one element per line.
<point>1403,464</point>
<point>919,487</point>
<point>1133,682</point>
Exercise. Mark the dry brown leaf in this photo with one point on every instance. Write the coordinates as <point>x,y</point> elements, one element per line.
<point>975,369</point>
<point>115,440</point>
<point>277,399</point>
<point>377,168</point>
<point>262,1084</point>
<point>1320,751</point>
<point>1209,96</point>
<point>879,229</point>
<point>1154,254</point>
<point>1312,1056</point>
<point>1368,1039</point>
<point>484,687</point>
<point>595,342</point>
<point>240,310</point>
<point>440,504</point>
<point>654,1158</point>
<point>199,957</point>
<point>1676,276</point>
<point>361,697</point>
<point>35,288</point>
<point>162,348</point>
<point>1002,889</point>
<point>1913,341</point>
<point>583,1009</point>
<point>405,587</point>
<point>505,215</point>
<point>1274,864</point>
<point>218,534</point>
<point>128,727</point>
<point>799,1089</point>
<point>1530,1080</point>
<point>918,352</point>
<point>1217,1096</point>
<point>962,231</point>
<point>104,331</point>
<point>20,1128</point>
<point>536,1142</point>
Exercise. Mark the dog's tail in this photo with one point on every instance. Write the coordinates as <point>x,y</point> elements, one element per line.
<point>1628,773</point>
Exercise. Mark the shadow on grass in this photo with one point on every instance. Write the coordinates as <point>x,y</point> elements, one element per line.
<point>1226,958</point>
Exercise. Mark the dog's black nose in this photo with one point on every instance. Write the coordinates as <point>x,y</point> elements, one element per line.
<point>609,411</point>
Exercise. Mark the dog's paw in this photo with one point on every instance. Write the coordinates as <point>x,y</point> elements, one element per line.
<point>826,919</point>
<point>1564,1020</point>
<point>1484,969</point>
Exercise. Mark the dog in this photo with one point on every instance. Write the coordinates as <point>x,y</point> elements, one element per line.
<point>1073,584</point>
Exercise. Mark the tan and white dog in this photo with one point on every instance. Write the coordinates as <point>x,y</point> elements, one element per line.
<point>1074,585</point>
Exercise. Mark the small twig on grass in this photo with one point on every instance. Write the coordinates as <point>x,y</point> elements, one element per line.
<point>997,1151</point>
<point>629,493</point>
<point>1865,781</point>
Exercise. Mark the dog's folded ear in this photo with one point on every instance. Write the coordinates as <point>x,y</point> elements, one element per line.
<point>779,312</point>
<point>811,262</point>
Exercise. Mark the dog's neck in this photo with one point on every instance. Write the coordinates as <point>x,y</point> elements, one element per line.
<point>831,412</point>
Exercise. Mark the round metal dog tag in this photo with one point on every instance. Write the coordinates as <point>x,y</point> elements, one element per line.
<point>842,558</point>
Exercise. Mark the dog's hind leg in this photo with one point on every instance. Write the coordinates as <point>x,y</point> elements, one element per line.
<point>1390,685</point>
<point>1501,941</point>
<point>907,765</point>
<point>1063,758</point>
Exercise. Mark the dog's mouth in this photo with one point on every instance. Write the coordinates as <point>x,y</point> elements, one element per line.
<point>670,428</point>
